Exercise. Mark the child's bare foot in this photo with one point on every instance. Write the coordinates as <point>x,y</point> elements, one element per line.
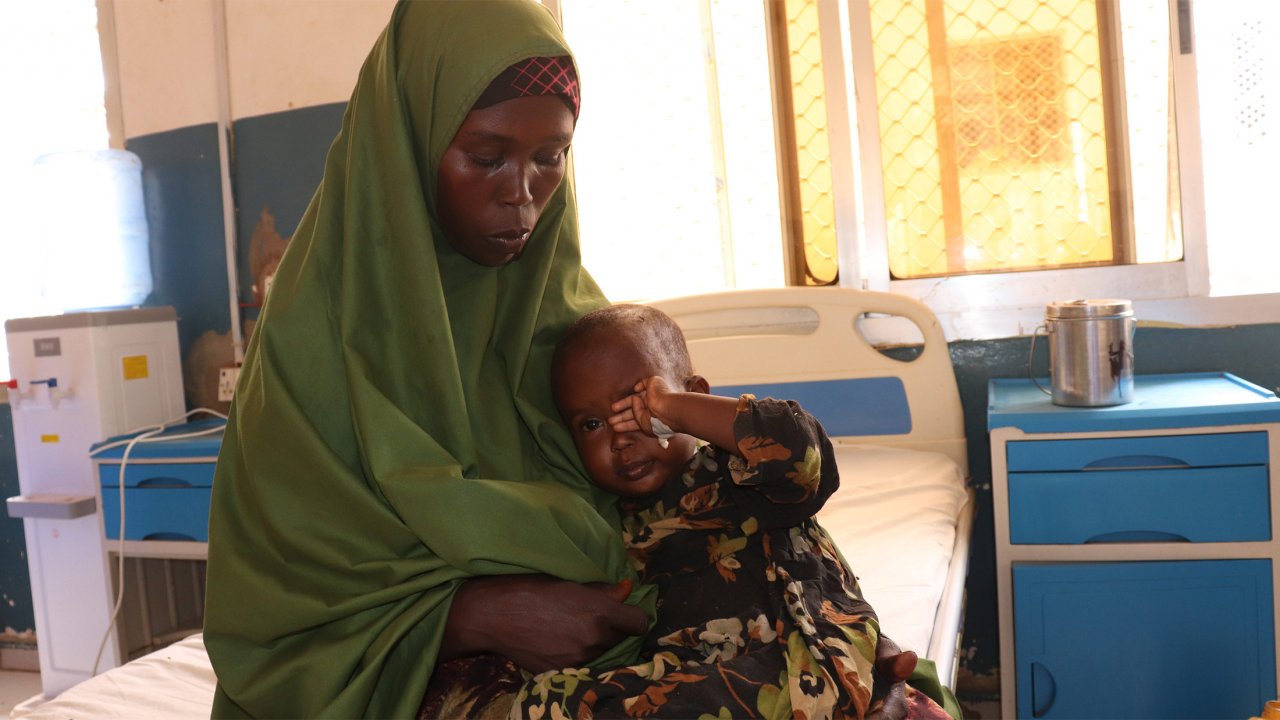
<point>898,667</point>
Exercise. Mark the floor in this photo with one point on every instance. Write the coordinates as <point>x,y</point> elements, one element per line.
<point>16,686</point>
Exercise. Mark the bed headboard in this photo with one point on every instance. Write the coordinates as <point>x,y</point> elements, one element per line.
<point>805,344</point>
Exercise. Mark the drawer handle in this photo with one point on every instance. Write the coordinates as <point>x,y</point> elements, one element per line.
<point>163,482</point>
<point>1122,536</point>
<point>168,536</point>
<point>1043,690</point>
<point>1137,461</point>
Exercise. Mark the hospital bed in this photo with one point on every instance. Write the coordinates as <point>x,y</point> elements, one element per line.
<point>902,516</point>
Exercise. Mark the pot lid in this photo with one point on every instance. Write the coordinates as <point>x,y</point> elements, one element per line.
<point>1069,309</point>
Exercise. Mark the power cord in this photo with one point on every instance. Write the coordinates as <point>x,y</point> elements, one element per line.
<point>145,434</point>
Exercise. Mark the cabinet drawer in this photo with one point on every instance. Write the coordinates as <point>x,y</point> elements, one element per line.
<point>143,474</point>
<point>1207,450</point>
<point>1223,504</point>
<point>1184,639</point>
<point>157,513</point>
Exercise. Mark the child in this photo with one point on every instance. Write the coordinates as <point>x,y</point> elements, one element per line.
<point>757,613</point>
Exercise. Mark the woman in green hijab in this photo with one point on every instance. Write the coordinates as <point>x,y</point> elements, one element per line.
<point>395,488</point>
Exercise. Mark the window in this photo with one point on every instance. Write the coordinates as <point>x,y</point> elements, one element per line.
<point>997,154</point>
<point>1002,135</point>
<point>51,64</point>
<point>1005,143</point>
<point>808,160</point>
<point>673,156</point>
<point>1125,80</point>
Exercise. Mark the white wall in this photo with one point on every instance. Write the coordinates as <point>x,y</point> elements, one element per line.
<point>164,61</point>
<point>288,54</point>
<point>281,55</point>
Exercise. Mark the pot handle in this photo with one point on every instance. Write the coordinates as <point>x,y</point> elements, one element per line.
<point>1031,354</point>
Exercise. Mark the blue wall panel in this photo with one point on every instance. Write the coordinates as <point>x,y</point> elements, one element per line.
<point>182,182</point>
<point>15,584</point>
<point>278,165</point>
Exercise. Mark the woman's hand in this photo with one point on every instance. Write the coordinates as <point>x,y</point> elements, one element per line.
<point>539,622</point>
<point>892,668</point>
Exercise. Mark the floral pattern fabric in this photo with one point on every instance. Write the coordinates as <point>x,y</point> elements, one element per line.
<point>758,614</point>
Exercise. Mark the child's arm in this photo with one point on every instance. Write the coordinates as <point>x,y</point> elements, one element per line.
<point>709,417</point>
<point>786,457</point>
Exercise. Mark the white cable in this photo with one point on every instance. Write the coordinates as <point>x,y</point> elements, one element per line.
<point>115,612</point>
<point>163,425</point>
<point>150,433</point>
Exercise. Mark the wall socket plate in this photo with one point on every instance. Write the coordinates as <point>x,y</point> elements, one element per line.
<point>227,377</point>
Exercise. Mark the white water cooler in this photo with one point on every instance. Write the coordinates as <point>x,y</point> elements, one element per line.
<point>76,379</point>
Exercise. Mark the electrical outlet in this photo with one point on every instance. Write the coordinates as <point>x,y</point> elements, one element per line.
<point>227,377</point>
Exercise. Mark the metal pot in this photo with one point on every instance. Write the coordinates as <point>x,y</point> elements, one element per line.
<point>1091,352</point>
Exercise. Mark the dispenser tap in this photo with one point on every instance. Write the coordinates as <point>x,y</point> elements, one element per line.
<point>16,396</point>
<point>54,392</point>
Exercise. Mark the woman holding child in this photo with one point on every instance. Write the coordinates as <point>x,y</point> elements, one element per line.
<point>397,502</point>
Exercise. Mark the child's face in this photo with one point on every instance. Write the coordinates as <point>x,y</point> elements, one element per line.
<point>587,382</point>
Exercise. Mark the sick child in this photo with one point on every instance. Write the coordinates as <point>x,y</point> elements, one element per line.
<point>758,614</point>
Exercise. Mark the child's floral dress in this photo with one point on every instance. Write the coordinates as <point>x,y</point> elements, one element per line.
<point>758,614</point>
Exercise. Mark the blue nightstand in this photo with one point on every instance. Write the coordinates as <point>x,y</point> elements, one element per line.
<point>1136,549</point>
<point>166,487</point>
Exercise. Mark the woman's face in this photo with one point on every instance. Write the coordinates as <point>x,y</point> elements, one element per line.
<point>498,174</point>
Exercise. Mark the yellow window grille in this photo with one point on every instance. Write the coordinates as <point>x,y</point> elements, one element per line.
<point>994,135</point>
<point>1007,97</point>
<point>810,205</point>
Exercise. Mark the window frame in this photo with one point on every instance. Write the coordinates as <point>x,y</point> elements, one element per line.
<point>1007,304</point>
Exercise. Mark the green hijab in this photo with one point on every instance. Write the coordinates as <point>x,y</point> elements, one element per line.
<point>393,433</point>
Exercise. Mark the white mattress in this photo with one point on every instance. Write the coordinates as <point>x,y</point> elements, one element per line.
<point>172,683</point>
<point>894,519</point>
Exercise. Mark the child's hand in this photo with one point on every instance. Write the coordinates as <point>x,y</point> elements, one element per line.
<point>636,411</point>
